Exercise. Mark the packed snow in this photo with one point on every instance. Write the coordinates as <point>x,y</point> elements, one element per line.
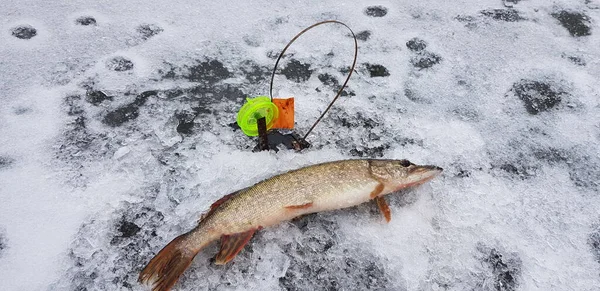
<point>117,131</point>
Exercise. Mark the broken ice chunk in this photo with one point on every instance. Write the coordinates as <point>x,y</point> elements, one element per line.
<point>121,152</point>
<point>167,132</point>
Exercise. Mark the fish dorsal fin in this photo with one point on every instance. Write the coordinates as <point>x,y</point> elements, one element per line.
<point>384,208</point>
<point>231,245</point>
<point>216,204</point>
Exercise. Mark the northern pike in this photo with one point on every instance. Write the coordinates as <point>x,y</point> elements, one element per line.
<point>321,187</point>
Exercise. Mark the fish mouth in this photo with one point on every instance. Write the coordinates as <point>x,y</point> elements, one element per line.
<point>422,174</point>
<point>418,175</point>
<point>429,168</point>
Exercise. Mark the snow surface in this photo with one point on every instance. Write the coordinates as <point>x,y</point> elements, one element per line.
<point>115,136</point>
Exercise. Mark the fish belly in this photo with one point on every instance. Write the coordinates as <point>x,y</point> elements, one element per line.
<point>344,198</point>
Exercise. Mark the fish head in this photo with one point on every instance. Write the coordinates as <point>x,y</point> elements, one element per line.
<point>401,174</point>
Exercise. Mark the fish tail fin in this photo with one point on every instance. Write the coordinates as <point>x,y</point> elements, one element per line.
<point>163,271</point>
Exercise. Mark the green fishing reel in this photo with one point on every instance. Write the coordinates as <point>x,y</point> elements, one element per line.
<point>253,110</point>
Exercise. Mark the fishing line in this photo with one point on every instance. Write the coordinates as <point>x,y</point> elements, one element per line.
<point>339,93</point>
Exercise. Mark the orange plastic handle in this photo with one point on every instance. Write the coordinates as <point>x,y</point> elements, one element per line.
<point>286,113</point>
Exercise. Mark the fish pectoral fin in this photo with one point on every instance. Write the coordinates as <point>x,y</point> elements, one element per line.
<point>300,206</point>
<point>232,244</point>
<point>384,207</point>
<point>378,189</point>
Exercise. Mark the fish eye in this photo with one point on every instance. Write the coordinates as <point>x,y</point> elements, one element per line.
<point>405,163</point>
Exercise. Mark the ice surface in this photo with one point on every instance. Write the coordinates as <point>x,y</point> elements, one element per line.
<point>117,132</point>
